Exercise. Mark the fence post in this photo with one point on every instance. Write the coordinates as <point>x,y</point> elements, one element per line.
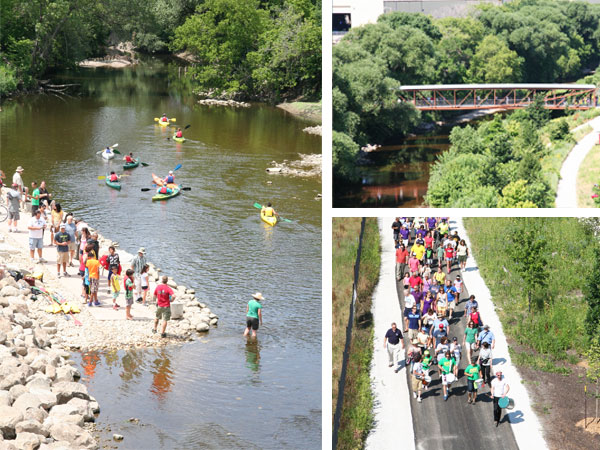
<point>342,382</point>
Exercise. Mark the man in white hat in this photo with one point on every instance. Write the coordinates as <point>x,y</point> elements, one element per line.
<point>253,314</point>
<point>169,179</point>
<point>137,264</point>
<point>21,186</point>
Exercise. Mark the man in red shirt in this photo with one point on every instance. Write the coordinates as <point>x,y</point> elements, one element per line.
<point>163,295</point>
<point>401,261</point>
<point>415,281</point>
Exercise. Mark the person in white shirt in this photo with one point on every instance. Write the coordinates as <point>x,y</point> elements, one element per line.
<point>409,302</point>
<point>499,390</point>
<point>21,186</point>
<point>13,200</point>
<point>36,235</point>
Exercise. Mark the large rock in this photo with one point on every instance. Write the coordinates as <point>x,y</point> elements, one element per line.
<point>9,380</point>
<point>39,381</point>
<point>30,426</point>
<point>5,326</point>
<point>38,414</point>
<point>27,400</point>
<point>18,305</point>
<point>41,337</point>
<point>23,320</point>
<point>17,390</point>
<point>57,419</point>
<point>73,434</point>
<point>9,291</point>
<point>82,407</point>
<point>9,418</point>
<point>57,445</point>
<point>2,337</point>
<point>203,326</point>
<point>47,398</point>
<point>66,390</point>
<point>28,441</point>
<point>67,373</point>
<point>5,398</point>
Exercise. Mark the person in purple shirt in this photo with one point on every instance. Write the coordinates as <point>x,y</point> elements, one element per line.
<point>419,296</point>
<point>404,233</point>
<point>421,232</point>
<point>431,223</point>
<point>427,302</point>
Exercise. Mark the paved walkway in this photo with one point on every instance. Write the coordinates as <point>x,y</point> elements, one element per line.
<point>566,193</point>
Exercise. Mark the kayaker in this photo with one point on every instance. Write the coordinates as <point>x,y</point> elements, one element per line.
<point>179,133</point>
<point>164,190</point>
<point>113,177</point>
<point>169,179</point>
<point>164,118</point>
<point>129,158</point>
<point>269,211</point>
<point>108,150</point>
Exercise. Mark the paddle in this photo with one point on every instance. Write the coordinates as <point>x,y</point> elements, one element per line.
<point>181,189</point>
<point>259,206</point>
<point>112,146</point>
<point>156,119</point>
<point>51,295</point>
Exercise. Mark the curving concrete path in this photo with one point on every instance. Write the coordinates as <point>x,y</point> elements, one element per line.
<point>566,193</point>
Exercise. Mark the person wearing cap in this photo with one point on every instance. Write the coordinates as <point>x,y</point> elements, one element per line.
<point>164,295</point>
<point>169,179</point>
<point>499,390</point>
<point>392,342</point>
<point>21,186</point>
<point>443,228</point>
<point>414,322</point>
<point>62,240</point>
<point>487,336</point>
<point>13,200</point>
<point>446,366</point>
<point>418,376</point>
<point>137,265</point>
<point>473,372</point>
<point>36,235</point>
<point>439,329</point>
<point>426,363</point>
<point>413,263</point>
<point>253,314</point>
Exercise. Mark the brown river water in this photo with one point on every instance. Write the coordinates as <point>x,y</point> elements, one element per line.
<point>220,391</point>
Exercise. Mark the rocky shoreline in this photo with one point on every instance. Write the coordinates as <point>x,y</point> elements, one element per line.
<point>307,166</point>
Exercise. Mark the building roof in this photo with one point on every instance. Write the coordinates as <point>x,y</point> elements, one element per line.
<point>428,87</point>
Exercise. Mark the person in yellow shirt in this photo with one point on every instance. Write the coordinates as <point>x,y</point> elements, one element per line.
<point>440,276</point>
<point>269,211</point>
<point>115,286</point>
<point>443,228</point>
<point>418,249</point>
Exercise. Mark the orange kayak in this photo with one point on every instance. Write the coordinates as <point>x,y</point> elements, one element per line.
<point>159,182</point>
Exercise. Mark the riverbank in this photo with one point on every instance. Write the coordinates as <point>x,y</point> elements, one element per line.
<point>103,327</point>
<point>310,111</point>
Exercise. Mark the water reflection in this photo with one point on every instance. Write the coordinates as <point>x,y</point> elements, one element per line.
<point>252,354</point>
<point>162,380</point>
<point>89,360</point>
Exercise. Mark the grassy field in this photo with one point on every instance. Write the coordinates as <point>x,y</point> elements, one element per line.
<point>357,412</point>
<point>554,333</point>
<point>589,174</point>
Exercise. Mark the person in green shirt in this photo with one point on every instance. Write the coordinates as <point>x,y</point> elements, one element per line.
<point>35,198</point>
<point>473,372</point>
<point>426,363</point>
<point>446,366</point>
<point>470,338</point>
<point>253,314</point>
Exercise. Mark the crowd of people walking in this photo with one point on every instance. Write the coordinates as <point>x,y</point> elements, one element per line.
<point>433,306</point>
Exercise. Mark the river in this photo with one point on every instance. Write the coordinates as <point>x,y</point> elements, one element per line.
<point>219,391</point>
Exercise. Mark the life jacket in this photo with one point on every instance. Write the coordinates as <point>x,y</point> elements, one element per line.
<point>268,211</point>
<point>164,119</point>
<point>128,159</point>
<point>179,134</point>
<point>170,179</point>
<point>114,177</point>
<point>163,190</point>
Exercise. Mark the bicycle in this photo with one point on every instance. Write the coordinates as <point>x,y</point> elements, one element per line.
<point>3,213</point>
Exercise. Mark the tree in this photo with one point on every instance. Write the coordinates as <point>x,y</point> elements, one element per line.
<point>494,62</point>
<point>527,250</point>
<point>592,296</point>
<point>344,155</point>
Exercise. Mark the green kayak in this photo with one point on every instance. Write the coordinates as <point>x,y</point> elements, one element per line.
<point>113,184</point>
<point>174,192</point>
<point>181,139</point>
<point>132,165</point>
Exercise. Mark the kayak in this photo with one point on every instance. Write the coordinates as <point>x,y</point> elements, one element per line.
<point>271,220</point>
<point>159,182</point>
<point>113,184</point>
<point>110,155</point>
<point>175,191</point>
<point>132,165</point>
<point>164,124</point>
<point>181,139</point>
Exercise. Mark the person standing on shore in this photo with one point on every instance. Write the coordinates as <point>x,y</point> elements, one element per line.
<point>93,267</point>
<point>62,240</point>
<point>392,338</point>
<point>115,286</point>
<point>129,285</point>
<point>56,214</point>
<point>36,235</point>
<point>35,198</point>
<point>137,265</point>
<point>163,295</point>
<point>253,314</point>
<point>499,390</point>
<point>113,262</point>
<point>44,194</point>
<point>13,200</point>
<point>71,229</point>
<point>21,186</point>
<point>95,244</point>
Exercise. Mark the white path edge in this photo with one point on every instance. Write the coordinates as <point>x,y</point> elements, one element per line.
<point>566,192</point>
<point>392,410</point>
<point>526,427</point>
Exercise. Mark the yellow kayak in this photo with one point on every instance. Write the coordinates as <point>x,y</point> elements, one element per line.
<point>271,220</point>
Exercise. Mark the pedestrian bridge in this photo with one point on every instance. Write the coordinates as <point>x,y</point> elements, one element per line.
<point>438,97</point>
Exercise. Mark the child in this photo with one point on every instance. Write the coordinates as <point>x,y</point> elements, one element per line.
<point>449,257</point>
<point>93,266</point>
<point>144,283</point>
<point>84,279</point>
<point>458,285</point>
<point>115,286</point>
<point>129,284</point>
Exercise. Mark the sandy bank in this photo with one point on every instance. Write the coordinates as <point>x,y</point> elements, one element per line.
<point>310,111</point>
<point>102,327</point>
<point>115,63</point>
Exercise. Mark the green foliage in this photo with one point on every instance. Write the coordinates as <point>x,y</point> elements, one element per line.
<point>559,130</point>
<point>537,362</point>
<point>494,62</point>
<point>344,156</point>
<point>558,326</point>
<point>592,296</point>
<point>8,80</point>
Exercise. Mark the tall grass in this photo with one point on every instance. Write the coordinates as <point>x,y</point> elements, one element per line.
<point>556,330</point>
<point>357,411</point>
<point>588,175</point>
